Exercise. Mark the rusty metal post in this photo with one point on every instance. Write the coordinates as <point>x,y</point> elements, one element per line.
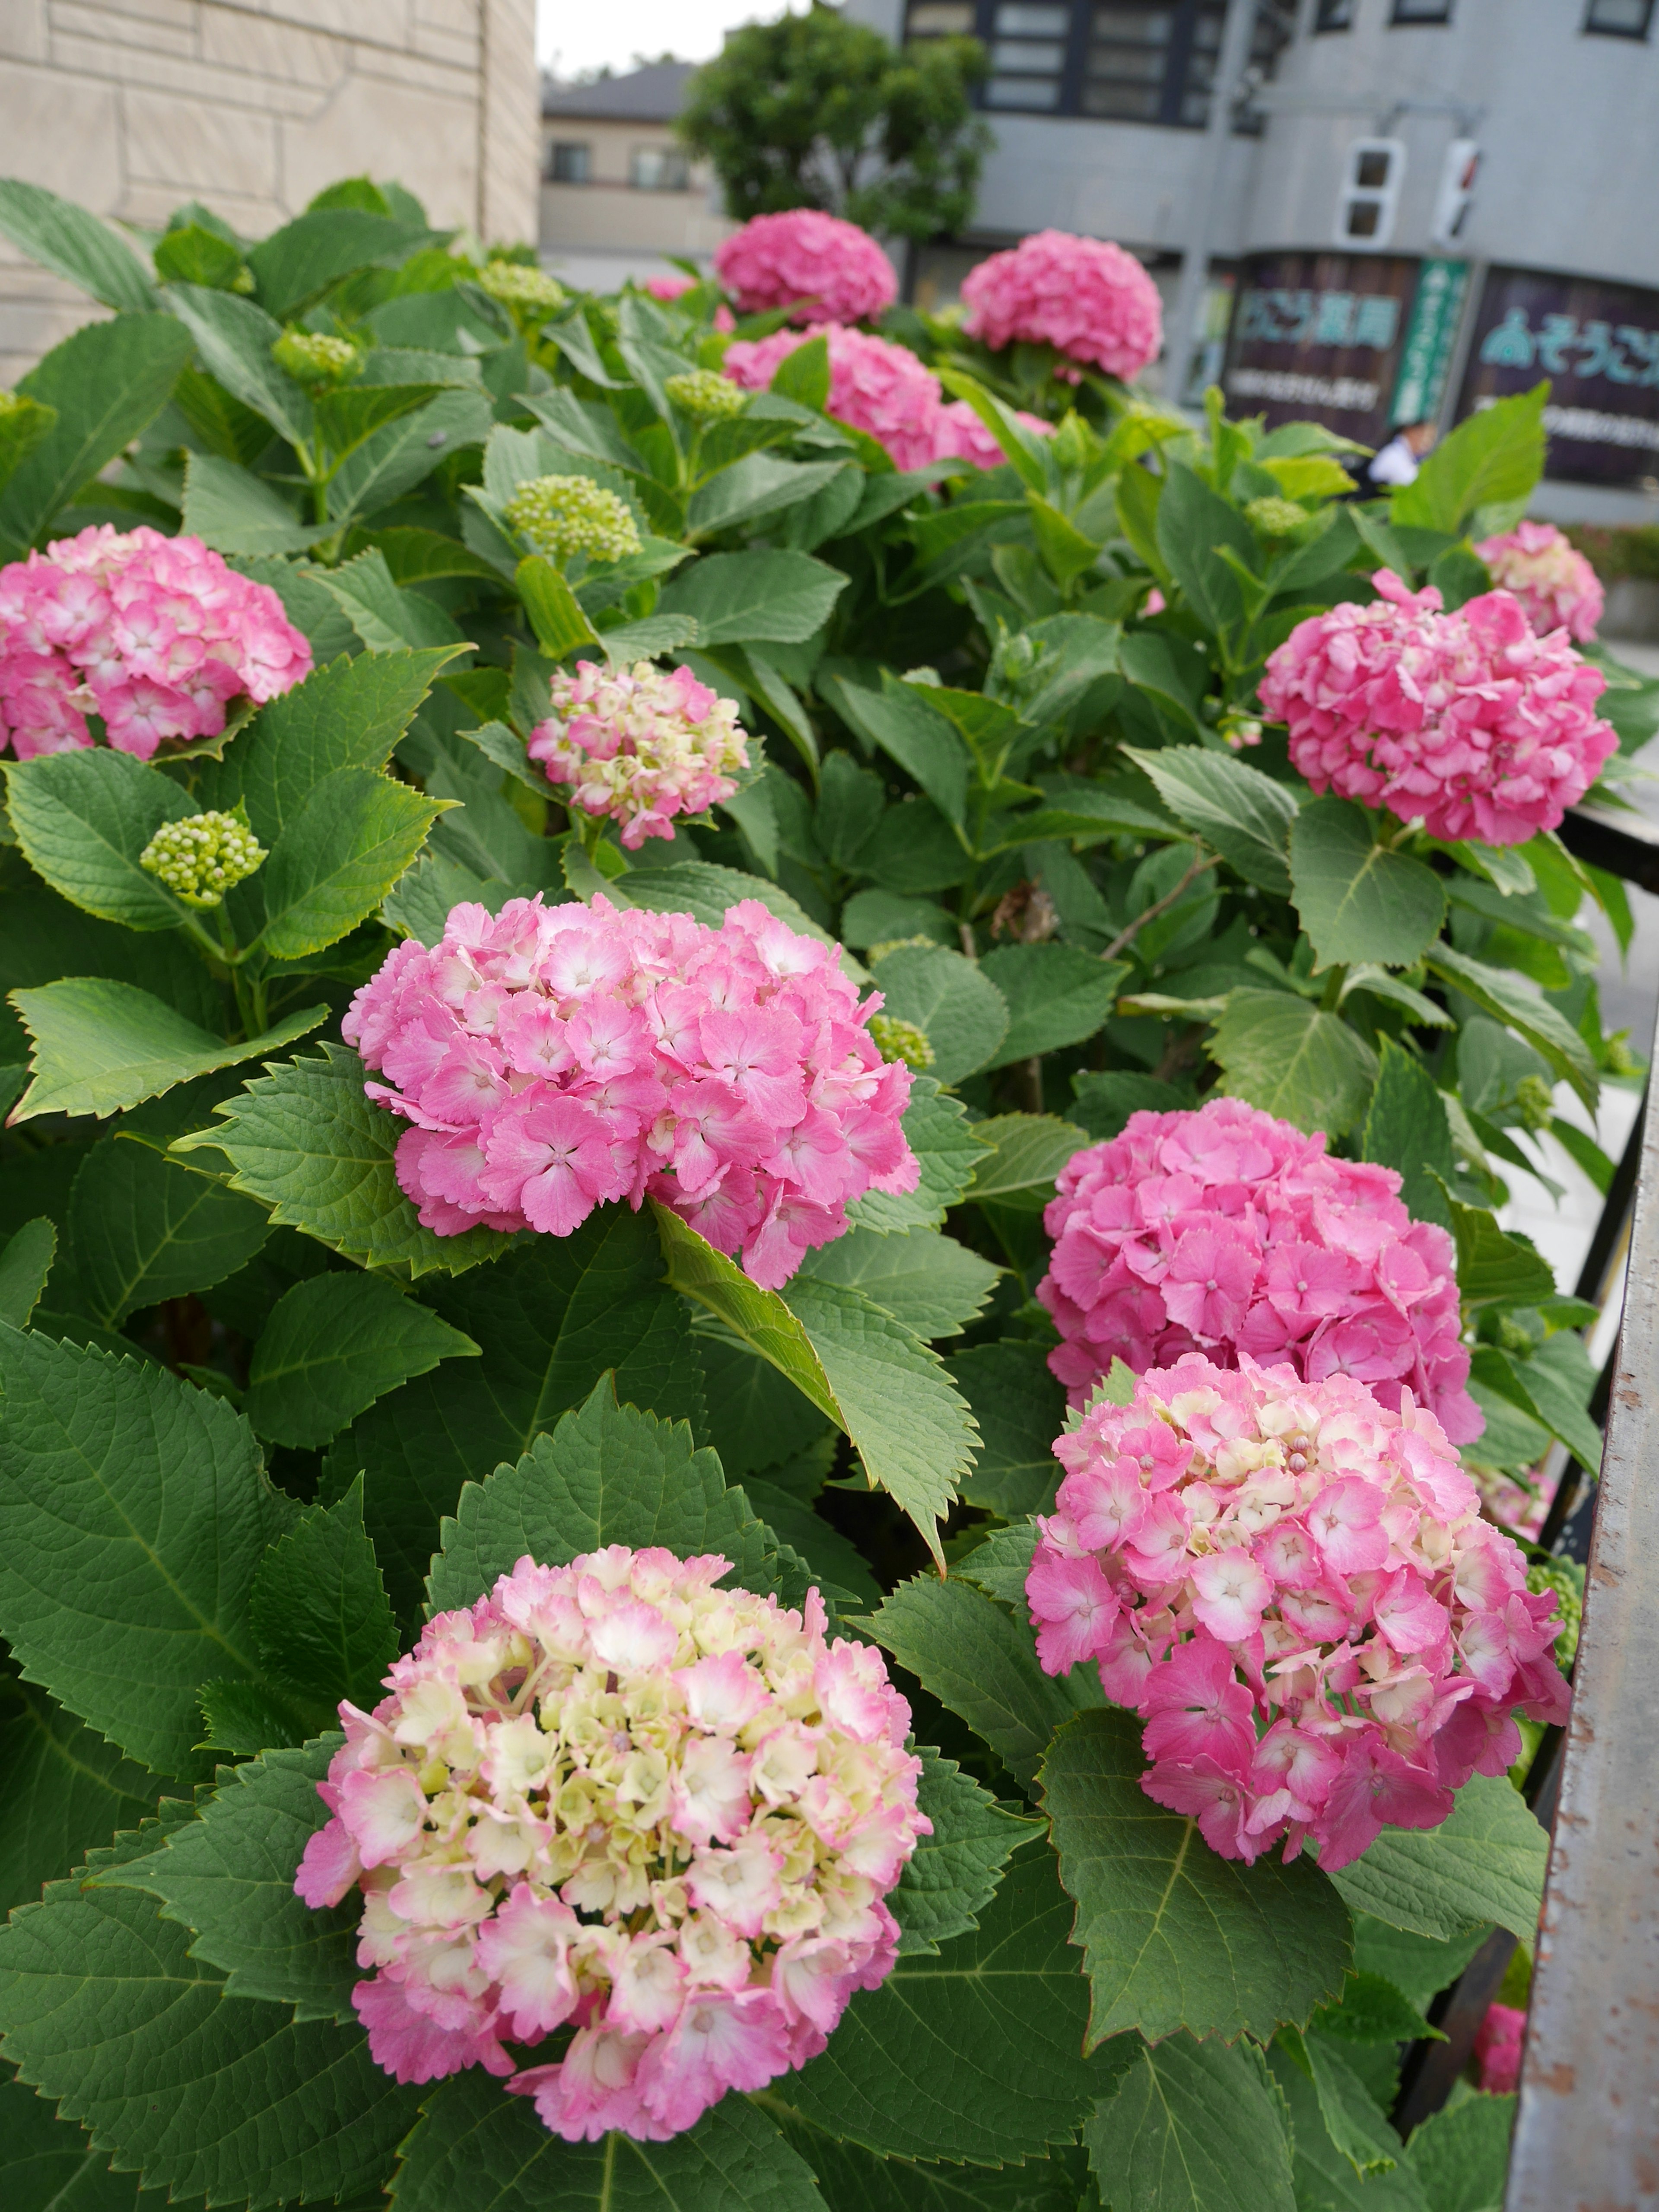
<point>1587,2134</point>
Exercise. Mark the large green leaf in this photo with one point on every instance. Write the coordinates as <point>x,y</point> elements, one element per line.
<point>779,598</point>
<point>953,1874</point>
<point>759,485</point>
<point>105,2011</point>
<point>1323,2176</point>
<point>25,1261</point>
<point>1493,1268</point>
<point>108,381</point>
<point>932,1284</point>
<point>82,819</point>
<point>1020,1409</point>
<point>1193,524</point>
<point>1287,1057</point>
<point>903,722</point>
<point>947,1146</point>
<point>295,264</point>
<point>478,2147</point>
<point>100,1047</point>
<point>338,858</point>
<point>1461,2155</point>
<point>333,1346</point>
<point>1244,814</point>
<point>1406,1128</point>
<point>1517,1001</point>
<point>233,339</point>
<point>321,1615</point>
<point>963,1014</point>
<point>1057,994</point>
<point>1485,1863</point>
<point>69,240</point>
<point>1547,1396</point>
<point>1193,2127</point>
<point>389,465</point>
<point>66,1790</point>
<point>143,1228</point>
<point>975,2055</point>
<point>1028,1151</point>
<point>854,2179</point>
<point>1174,1936</point>
<point>305,1141</point>
<point>1358,899</point>
<point>1352,2118</point>
<point>756,1418</point>
<point>47,2165</point>
<point>607,1475</point>
<point>137,1514</point>
<point>230,509</point>
<point>1494,457</point>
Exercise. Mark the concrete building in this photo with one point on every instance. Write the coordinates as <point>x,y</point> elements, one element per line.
<point>131,106</point>
<point>619,194</point>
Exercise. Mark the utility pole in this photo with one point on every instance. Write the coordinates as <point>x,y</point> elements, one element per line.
<point>1184,332</point>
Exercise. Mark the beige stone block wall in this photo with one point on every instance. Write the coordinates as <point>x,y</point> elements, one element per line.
<point>252,106</point>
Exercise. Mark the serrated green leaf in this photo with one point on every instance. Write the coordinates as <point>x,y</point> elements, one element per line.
<point>1000,1565</point>
<point>930,1283</point>
<point>337,860</point>
<point>69,240</point>
<point>25,1264</point>
<point>1027,1151</point>
<point>386,617</point>
<point>1494,1268</point>
<point>143,1228</point>
<point>105,2010</point>
<point>1020,1409</point>
<point>1419,1966</point>
<point>137,1514</point>
<point>319,1611</point>
<point>1406,1128</point>
<point>1173,1935</point>
<point>99,1046</point>
<point>233,339</point>
<point>1357,2127</point>
<point>1485,1863</point>
<point>974,2055</point>
<point>947,1146</point>
<point>1461,2155</point>
<point>608,1474</point>
<point>909,729</point>
<point>296,263</point>
<point>1372,2011</point>
<point>305,1141</point>
<point>1325,2180</point>
<point>1057,994</point>
<point>953,1874</point>
<point>1539,1391</point>
<point>476,2146</point>
<point>1244,814</point>
<point>66,1791</point>
<point>47,2164</point>
<point>1496,455</point>
<point>963,1014</point>
<point>1193,522</point>
<point>334,1344</point>
<point>82,819</point>
<point>555,613</point>
<point>1516,1001</point>
<point>1285,1056</point>
<point>1193,2127</point>
<point>968,1653</point>
<point>780,597</point>
<point>1358,899</point>
<point>755,1416</point>
<point>233,511</point>
<point>391,462</point>
<point>852,2179</point>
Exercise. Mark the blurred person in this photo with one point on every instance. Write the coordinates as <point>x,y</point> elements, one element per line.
<point>1396,462</point>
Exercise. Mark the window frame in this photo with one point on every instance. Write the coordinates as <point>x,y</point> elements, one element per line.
<point>1332,15</point>
<point>1589,28</point>
<point>557,146</point>
<point>1399,22</point>
<point>667,155</point>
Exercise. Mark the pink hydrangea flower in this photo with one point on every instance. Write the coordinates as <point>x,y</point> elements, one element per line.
<point>154,635</point>
<point>1497,2044</point>
<point>1469,722</point>
<point>1227,1231</point>
<point>669,287</point>
<point>640,744</point>
<point>550,1059</point>
<point>612,1796</point>
<point>1293,1584</point>
<point>1555,584</point>
<point>959,434</point>
<point>1084,296</point>
<point>835,270</point>
<point>876,386</point>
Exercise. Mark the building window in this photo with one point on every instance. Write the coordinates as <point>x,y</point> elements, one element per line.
<point>569,163</point>
<point>1334,16</point>
<point>1421,11</point>
<point>1028,45</point>
<point>1619,19</point>
<point>657,169</point>
<point>940,19</point>
<point>1371,191</point>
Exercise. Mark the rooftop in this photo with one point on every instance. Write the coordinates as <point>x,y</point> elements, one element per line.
<point>655,94</point>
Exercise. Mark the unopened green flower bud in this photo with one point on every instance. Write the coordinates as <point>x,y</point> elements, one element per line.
<point>202,857</point>
<point>1512,1337</point>
<point>562,515</point>
<point>530,295</point>
<point>1566,1578</point>
<point>896,944</point>
<point>314,359</point>
<point>1274,517</point>
<point>1533,1100</point>
<point>1621,1060</point>
<point>706,395</point>
<point>897,1039</point>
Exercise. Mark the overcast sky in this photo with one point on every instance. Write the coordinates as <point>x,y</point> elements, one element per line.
<point>572,35</point>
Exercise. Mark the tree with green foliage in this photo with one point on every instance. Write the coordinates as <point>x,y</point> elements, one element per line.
<point>813,110</point>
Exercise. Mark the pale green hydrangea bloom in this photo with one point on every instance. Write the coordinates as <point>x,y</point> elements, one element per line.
<point>531,294</point>
<point>706,395</point>
<point>897,1039</point>
<point>202,857</point>
<point>311,357</point>
<point>1274,517</point>
<point>562,515</point>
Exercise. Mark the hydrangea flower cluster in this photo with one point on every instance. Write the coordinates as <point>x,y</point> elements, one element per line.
<point>562,516</point>
<point>1468,721</point>
<point>667,288</point>
<point>883,389</point>
<point>897,1039</point>
<point>1498,2045</point>
<point>203,856</point>
<point>836,271</point>
<point>612,1795</point>
<point>551,1059</point>
<point>154,634</point>
<point>1293,1586</point>
<point>706,395</point>
<point>1228,1231</point>
<point>315,359</point>
<point>640,745</point>
<point>1555,584</point>
<point>1084,296</point>
<point>529,295</point>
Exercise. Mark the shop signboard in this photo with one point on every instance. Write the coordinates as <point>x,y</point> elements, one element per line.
<point>1430,337</point>
<point>1598,343</point>
<point>1320,337</point>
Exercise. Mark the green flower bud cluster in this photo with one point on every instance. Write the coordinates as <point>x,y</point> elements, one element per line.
<point>897,1039</point>
<point>530,294</point>
<point>1534,1101</point>
<point>1274,517</point>
<point>880,951</point>
<point>1566,1578</point>
<point>562,515</point>
<point>706,395</point>
<point>202,857</point>
<point>314,359</point>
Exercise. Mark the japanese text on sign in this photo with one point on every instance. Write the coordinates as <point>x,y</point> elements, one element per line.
<point>1563,346</point>
<point>1331,319</point>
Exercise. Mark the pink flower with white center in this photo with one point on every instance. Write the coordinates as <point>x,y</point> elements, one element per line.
<point>825,269</point>
<point>1084,296</point>
<point>640,745</point>
<point>1555,584</point>
<point>1226,1231</point>
<point>959,434</point>
<point>877,386</point>
<point>154,635</point>
<point>646,1879</point>
<point>555,1058</point>
<point>1344,1669</point>
<point>1468,722</point>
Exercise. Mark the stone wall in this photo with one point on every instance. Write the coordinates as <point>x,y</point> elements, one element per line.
<point>252,106</point>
